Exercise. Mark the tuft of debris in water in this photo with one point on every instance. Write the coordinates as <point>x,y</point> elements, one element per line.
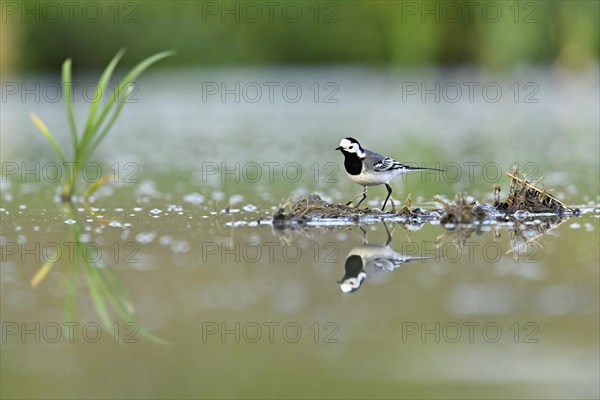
<point>461,211</point>
<point>526,196</point>
<point>523,196</point>
<point>314,206</point>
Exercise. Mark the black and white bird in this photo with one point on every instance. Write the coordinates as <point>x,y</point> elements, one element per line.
<point>368,168</point>
<point>371,261</point>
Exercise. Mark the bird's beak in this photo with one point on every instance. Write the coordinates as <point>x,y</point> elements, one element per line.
<point>338,148</point>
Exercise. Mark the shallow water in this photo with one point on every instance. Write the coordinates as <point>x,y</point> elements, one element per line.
<point>227,305</point>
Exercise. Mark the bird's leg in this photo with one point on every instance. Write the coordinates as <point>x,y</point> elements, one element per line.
<point>364,234</point>
<point>363,193</point>
<point>354,198</point>
<point>389,189</point>
<point>350,202</point>
<point>364,196</point>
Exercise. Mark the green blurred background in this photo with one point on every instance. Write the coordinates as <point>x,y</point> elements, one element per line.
<point>171,132</point>
<point>38,36</point>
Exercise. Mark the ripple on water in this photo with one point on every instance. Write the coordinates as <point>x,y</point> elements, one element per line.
<point>180,246</point>
<point>588,227</point>
<point>236,198</point>
<point>174,208</point>
<point>165,240</point>
<point>193,198</point>
<point>217,196</point>
<point>236,223</point>
<point>145,237</point>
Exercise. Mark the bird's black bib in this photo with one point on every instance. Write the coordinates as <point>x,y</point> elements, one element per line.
<point>352,163</point>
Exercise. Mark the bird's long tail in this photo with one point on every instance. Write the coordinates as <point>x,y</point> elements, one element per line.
<point>409,168</point>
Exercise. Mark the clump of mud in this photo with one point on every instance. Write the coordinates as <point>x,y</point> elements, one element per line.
<point>312,207</point>
<point>462,210</point>
<point>523,197</point>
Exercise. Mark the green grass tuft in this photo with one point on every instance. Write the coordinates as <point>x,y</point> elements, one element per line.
<point>101,117</point>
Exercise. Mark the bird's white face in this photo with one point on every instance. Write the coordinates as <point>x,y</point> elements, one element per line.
<point>351,147</point>
<point>352,284</point>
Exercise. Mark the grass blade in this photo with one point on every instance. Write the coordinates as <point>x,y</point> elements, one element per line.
<point>108,125</point>
<point>94,186</point>
<point>44,129</point>
<point>100,90</point>
<point>119,290</point>
<point>42,272</point>
<point>117,299</point>
<point>96,291</point>
<point>66,78</point>
<point>71,295</point>
<point>116,296</point>
<point>129,78</point>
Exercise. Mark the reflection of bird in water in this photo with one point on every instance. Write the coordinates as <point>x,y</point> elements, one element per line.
<point>370,260</point>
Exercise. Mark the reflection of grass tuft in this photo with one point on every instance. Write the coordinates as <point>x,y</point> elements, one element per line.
<point>99,119</point>
<point>108,294</point>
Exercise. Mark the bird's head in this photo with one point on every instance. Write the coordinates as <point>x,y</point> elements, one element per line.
<point>351,146</point>
<point>354,276</point>
<point>351,285</point>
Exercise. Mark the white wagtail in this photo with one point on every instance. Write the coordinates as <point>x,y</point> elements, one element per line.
<point>371,260</point>
<point>368,168</point>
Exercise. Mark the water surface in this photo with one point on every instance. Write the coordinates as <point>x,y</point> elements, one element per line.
<point>225,305</point>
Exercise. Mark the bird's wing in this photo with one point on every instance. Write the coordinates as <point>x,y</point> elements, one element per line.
<point>388,264</point>
<point>389,164</point>
<point>381,163</point>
